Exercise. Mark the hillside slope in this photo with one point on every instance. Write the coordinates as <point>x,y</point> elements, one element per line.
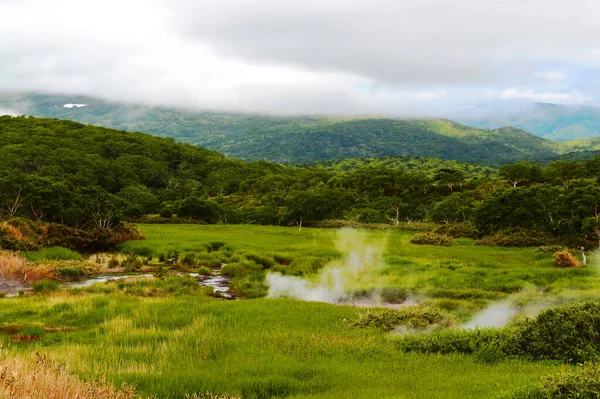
<point>302,139</point>
<point>552,121</point>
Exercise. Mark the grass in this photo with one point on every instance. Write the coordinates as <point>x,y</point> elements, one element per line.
<point>51,253</point>
<point>463,278</point>
<point>168,338</point>
<point>170,346</point>
<point>16,268</point>
<point>42,379</point>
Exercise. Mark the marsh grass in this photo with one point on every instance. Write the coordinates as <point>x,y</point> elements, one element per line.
<point>170,346</point>
<point>51,253</point>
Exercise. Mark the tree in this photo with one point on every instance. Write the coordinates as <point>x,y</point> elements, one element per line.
<point>521,173</point>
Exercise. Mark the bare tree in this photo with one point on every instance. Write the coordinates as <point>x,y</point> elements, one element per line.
<point>14,206</point>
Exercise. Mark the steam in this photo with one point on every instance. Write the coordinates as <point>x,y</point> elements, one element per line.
<point>361,260</point>
<point>496,315</point>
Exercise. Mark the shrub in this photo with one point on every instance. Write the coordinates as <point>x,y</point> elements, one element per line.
<point>582,382</point>
<point>44,286</point>
<point>412,317</point>
<point>549,249</point>
<point>517,238</point>
<point>205,271</point>
<point>417,226</point>
<point>455,341</point>
<point>433,239</point>
<point>569,333</point>
<point>166,213</point>
<point>458,230</point>
<point>565,259</point>
<point>88,241</point>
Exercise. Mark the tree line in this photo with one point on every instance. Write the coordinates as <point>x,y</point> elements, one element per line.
<point>85,176</point>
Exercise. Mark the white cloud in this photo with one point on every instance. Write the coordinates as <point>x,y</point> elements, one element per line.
<point>572,97</point>
<point>311,56</point>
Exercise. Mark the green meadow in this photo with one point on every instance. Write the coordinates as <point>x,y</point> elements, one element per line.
<point>168,337</point>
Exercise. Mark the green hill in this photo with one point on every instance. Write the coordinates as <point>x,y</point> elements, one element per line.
<point>551,121</point>
<point>304,139</point>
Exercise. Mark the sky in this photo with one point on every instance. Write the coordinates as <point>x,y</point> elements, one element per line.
<point>357,57</point>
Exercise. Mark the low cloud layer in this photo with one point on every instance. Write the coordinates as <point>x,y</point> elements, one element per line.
<point>412,57</point>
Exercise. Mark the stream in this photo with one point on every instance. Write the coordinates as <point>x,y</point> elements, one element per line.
<point>218,282</point>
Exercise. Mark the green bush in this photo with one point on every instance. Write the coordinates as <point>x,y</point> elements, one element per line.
<point>455,341</point>
<point>166,213</point>
<point>570,333</point>
<point>205,271</point>
<point>412,317</point>
<point>433,239</point>
<point>44,286</point>
<point>51,253</point>
<point>517,238</point>
<point>458,230</point>
<point>581,382</point>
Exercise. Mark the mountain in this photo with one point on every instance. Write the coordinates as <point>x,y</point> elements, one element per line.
<point>302,139</point>
<point>552,121</point>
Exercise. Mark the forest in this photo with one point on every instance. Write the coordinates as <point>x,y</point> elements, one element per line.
<point>86,177</point>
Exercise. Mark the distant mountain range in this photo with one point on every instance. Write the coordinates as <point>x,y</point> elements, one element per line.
<point>552,121</point>
<point>307,139</point>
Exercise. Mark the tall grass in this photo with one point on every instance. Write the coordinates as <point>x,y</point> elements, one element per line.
<point>173,346</point>
<point>16,268</point>
<point>51,253</point>
<point>42,379</point>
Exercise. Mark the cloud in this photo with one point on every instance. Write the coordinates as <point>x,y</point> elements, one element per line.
<point>572,97</point>
<point>410,57</point>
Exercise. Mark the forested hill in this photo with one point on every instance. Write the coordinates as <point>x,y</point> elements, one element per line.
<point>303,139</point>
<point>83,177</point>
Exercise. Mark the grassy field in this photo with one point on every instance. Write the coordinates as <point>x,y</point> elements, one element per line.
<point>168,338</point>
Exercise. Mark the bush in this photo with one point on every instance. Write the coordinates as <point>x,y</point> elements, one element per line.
<point>581,382</point>
<point>433,239</point>
<point>86,241</point>
<point>565,259</point>
<point>205,271</point>
<point>412,317</point>
<point>455,341</point>
<point>517,238</point>
<point>458,230</point>
<point>569,333</point>
<point>166,213</point>
<point>44,286</point>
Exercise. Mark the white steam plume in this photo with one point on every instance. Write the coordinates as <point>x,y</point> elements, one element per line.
<point>360,261</point>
